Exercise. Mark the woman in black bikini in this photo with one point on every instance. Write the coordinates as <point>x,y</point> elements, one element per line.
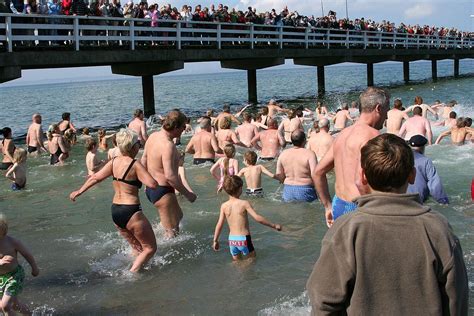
<point>58,147</point>
<point>66,123</point>
<point>8,148</point>
<point>128,174</point>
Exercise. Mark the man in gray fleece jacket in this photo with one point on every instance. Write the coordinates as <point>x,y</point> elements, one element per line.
<point>393,256</point>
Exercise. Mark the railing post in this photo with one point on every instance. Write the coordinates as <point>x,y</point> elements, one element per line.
<point>327,37</point>
<point>380,40</point>
<point>76,32</point>
<point>251,36</point>
<point>219,44</point>
<point>132,35</point>
<point>178,35</point>
<point>406,40</point>
<point>347,38</point>
<point>438,41</point>
<point>418,41</point>
<point>394,43</point>
<point>280,37</point>
<point>9,33</point>
<point>306,37</point>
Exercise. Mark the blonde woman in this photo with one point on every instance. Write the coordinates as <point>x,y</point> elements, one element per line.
<point>128,175</point>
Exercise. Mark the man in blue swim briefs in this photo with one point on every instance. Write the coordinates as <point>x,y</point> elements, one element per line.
<point>344,155</point>
<point>295,168</point>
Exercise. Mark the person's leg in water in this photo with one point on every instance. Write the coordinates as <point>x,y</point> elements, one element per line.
<point>11,304</point>
<point>141,237</point>
<point>170,214</point>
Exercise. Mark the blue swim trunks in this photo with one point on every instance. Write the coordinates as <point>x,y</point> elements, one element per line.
<point>341,207</point>
<point>240,245</point>
<point>303,193</point>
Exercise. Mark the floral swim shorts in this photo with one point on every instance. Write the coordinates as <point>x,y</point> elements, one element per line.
<point>11,283</point>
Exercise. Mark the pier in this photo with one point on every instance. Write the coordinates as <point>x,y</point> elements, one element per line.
<point>134,49</point>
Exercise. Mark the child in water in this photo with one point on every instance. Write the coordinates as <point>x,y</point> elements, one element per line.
<point>92,161</point>
<point>253,174</point>
<point>236,212</point>
<point>17,173</point>
<point>182,173</point>
<point>11,272</point>
<point>227,165</point>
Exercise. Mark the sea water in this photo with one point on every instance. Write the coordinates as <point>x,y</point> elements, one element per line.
<point>84,262</point>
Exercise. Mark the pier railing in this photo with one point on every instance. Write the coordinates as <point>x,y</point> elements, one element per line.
<point>20,32</point>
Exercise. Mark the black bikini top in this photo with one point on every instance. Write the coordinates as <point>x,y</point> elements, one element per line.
<point>135,183</point>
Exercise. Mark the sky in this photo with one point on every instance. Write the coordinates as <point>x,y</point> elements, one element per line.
<point>449,13</point>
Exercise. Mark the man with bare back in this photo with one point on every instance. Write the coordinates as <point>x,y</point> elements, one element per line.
<point>416,125</point>
<point>203,145</point>
<point>247,131</point>
<point>321,141</point>
<point>161,158</point>
<point>271,141</point>
<point>395,117</point>
<point>139,126</point>
<point>344,155</point>
<point>35,136</point>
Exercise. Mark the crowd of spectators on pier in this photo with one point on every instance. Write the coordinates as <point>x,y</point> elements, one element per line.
<point>219,13</point>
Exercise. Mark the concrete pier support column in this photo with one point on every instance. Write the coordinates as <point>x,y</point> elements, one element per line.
<point>252,85</point>
<point>147,71</point>
<point>148,95</point>
<point>251,65</point>
<point>406,71</point>
<point>321,81</point>
<point>456,68</point>
<point>434,69</point>
<point>370,74</point>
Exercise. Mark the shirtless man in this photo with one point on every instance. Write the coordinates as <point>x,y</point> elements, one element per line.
<point>203,145</point>
<point>247,131</point>
<point>138,125</point>
<point>35,136</point>
<point>445,108</point>
<point>270,140</point>
<point>395,117</point>
<point>449,122</point>
<point>161,158</point>
<point>291,124</point>
<point>223,115</point>
<point>296,168</point>
<point>321,141</point>
<point>416,125</point>
<point>274,108</point>
<point>424,107</point>
<point>459,133</point>
<point>344,155</point>
<point>341,119</point>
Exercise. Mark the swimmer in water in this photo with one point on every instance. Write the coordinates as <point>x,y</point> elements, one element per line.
<point>12,274</point>
<point>270,141</point>
<point>182,174</point>
<point>35,137</point>
<point>93,163</point>
<point>17,173</point>
<point>128,175</point>
<point>227,165</point>
<point>58,147</point>
<point>138,125</point>
<point>253,174</point>
<point>103,139</point>
<point>459,133</point>
<point>236,211</point>
<point>8,148</point>
<point>321,141</point>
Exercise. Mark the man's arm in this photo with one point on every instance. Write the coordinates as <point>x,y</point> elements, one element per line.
<point>403,130</point>
<point>255,140</point>
<point>235,120</point>
<point>434,184</point>
<point>190,147</point>
<point>280,171</point>
<point>236,141</point>
<point>39,138</point>
<point>321,183</point>
<point>441,136</point>
<point>143,131</point>
<point>429,133</point>
<point>171,173</point>
<point>215,145</point>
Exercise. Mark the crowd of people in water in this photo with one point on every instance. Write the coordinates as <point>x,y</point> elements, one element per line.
<point>374,173</point>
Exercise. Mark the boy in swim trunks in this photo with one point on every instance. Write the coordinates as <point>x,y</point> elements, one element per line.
<point>253,174</point>
<point>17,173</point>
<point>236,212</point>
<point>11,273</point>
